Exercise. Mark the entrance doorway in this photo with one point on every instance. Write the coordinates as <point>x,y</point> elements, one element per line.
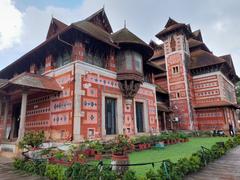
<point>16,120</point>
<point>139,117</point>
<point>161,120</point>
<point>110,116</point>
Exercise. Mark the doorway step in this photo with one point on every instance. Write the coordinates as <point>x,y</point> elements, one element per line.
<point>8,149</point>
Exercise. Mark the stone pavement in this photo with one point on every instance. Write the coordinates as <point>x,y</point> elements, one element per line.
<point>7,172</point>
<point>225,168</point>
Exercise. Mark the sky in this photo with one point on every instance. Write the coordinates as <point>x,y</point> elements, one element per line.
<point>24,23</point>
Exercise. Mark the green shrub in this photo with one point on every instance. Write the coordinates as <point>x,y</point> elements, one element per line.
<point>182,135</point>
<point>55,172</point>
<point>183,165</point>
<point>18,163</point>
<point>229,144</point>
<point>32,140</point>
<point>84,172</point>
<point>129,175</point>
<point>237,139</point>
<point>152,175</point>
<point>40,168</point>
<point>194,163</point>
<point>29,166</point>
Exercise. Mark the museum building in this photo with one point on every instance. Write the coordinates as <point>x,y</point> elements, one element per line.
<point>86,81</point>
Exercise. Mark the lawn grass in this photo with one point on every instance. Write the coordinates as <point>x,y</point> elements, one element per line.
<point>172,152</point>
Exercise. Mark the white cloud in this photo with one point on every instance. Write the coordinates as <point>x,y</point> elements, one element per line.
<point>11,24</point>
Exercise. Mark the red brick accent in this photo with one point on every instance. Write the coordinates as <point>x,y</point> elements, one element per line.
<point>33,68</point>
<point>49,63</point>
<point>178,90</point>
<point>78,51</point>
<point>111,61</point>
<point>162,82</point>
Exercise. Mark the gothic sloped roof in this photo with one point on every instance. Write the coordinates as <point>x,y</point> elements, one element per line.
<point>124,36</point>
<point>201,58</point>
<point>94,31</point>
<point>198,35</point>
<point>172,26</point>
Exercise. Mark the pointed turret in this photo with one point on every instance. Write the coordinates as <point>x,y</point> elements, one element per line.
<point>170,22</point>
<point>55,27</point>
<point>100,19</point>
<point>173,26</point>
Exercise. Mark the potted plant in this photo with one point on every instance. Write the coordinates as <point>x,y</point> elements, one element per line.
<point>80,154</point>
<point>120,145</point>
<point>60,157</point>
<point>31,143</point>
<point>98,149</point>
<point>165,137</point>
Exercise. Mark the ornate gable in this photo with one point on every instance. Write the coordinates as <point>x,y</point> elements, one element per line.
<point>170,22</point>
<point>100,19</point>
<point>55,27</point>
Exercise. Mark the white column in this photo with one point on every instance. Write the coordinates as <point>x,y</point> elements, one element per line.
<point>77,106</point>
<point>164,120</point>
<point>22,116</point>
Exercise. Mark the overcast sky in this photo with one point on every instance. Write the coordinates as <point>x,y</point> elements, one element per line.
<point>24,23</point>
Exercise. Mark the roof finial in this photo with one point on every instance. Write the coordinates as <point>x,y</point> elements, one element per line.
<point>125,23</point>
<point>103,6</point>
<point>52,18</point>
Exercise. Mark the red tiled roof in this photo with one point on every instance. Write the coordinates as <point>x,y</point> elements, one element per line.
<point>126,37</point>
<point>201,58</point>
<point>34,81</point>
<point>94,31</point>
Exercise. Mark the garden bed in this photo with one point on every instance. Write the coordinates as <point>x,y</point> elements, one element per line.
<point>183,161</point>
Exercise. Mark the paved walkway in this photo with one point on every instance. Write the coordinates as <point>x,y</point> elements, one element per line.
<point>7,172</point>
<point>225,168</point>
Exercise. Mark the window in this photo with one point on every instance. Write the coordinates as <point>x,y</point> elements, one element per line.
<point>95,57</point>
<point>175,69</point>
<point>178,95</point>
<point>139,116</point>
<point>128,58</point>
<point>110,116</point>
<point>63,59</point>
<point>138,62</point>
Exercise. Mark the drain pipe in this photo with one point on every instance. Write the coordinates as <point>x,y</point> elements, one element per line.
<point>65,42</point>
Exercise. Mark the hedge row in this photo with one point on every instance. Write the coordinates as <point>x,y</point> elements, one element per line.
<point>167,170</point>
